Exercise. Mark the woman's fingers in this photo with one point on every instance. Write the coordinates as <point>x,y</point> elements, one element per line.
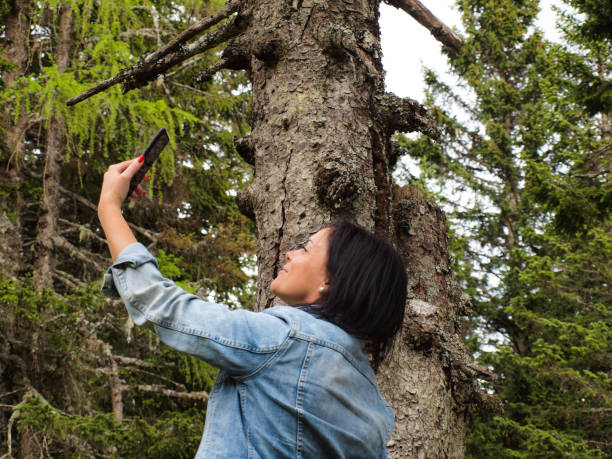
<point>133,166</point>
<point>117,181</point>
<point>138,192</point>
<point>120,167</point>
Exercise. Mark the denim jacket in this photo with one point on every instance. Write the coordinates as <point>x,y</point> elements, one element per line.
<point>290,385</point>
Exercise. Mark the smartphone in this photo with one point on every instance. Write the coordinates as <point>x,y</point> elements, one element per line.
<point>150,155</point>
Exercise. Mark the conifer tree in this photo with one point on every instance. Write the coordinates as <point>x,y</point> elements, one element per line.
<point>525,170</point>
<point>592,31</point>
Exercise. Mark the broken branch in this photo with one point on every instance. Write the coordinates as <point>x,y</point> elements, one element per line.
<point>207,74</point>
<point>141,76</point>
<point>84,255</point>
<point>173,393</point>
<point>438,29</point>
<point>67,279</point>
<point>406,115</point>
<point>174,46</point>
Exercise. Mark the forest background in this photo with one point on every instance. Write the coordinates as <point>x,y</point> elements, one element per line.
<point>522,170</point>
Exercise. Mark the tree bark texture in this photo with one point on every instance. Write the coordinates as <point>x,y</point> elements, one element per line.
<point>425,380</point>
<point>320,143</point>
<point>47,225</point>
<point>320,130</point>
<point>15,51</point>
<point>17,37</point>
<point>10,235</point>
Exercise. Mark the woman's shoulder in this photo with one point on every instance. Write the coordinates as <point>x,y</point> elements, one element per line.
<point>309,327</point>
<point>306,322</point>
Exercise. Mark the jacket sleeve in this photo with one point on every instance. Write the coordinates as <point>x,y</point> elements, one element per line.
<point>237,341</point>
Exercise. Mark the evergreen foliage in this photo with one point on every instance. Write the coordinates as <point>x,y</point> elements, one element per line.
<point>524,171</point>
<point>592,34</point>
<point>65,351</point>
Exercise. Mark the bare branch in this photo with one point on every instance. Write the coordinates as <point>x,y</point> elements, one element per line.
<point>191,88</point>
<point>148,234</point>
<point>84,255</point>
<point>174,52</point>
<point>185,66</point>
<point>146,32</point>
<point>406,115</point>
<point>67,279</point>
<point>187,34</point>
<point>31,393</point>
<point>438,29</point>
<point>173,393</point>
<point>82,229</point>
<point>142,75</point>
<point>210,71</point>
<point>132,361</point>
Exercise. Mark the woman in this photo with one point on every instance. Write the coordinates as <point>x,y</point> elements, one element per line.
<point>294,381</point>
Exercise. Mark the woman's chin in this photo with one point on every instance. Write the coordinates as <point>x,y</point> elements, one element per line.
<point>273,288</point>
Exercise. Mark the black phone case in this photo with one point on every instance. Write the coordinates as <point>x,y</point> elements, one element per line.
<point>150,155</point>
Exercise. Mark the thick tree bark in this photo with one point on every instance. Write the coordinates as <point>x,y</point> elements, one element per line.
<point>320,124</point>
<point>428,379</point>
<point>15,51</point>
<point>47,226</point>
<point>321,128</point>
<point>17,37</point>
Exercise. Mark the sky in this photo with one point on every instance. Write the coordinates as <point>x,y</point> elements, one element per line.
<point>407,46</point>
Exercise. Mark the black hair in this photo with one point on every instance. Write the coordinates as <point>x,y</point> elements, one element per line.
<point>366,296</point>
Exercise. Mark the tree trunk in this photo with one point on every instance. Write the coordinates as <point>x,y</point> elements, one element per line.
<point>16,40</point>
<point>425,379</point>
<point>47,226</point>
<point>321,127</point>
<point>320,124</point>
<point>15,51</point>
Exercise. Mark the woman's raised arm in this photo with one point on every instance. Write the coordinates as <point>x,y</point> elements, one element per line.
<point>114,189</point>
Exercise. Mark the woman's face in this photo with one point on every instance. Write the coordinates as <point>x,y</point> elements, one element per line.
<point>301,279</point>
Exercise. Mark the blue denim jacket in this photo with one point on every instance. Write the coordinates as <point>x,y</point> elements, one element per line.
<point>289,385</point>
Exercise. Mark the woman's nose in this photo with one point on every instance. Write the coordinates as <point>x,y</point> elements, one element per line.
<point>289,255</point>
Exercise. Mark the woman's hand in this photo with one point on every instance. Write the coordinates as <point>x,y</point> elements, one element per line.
<point>114,188</point>
<point>117,183</point>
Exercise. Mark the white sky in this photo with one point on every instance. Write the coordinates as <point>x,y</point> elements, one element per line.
<point>408,47</point>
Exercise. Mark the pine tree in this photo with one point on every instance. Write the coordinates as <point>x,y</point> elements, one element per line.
<point>593,32</point>
<point>523,169</point>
